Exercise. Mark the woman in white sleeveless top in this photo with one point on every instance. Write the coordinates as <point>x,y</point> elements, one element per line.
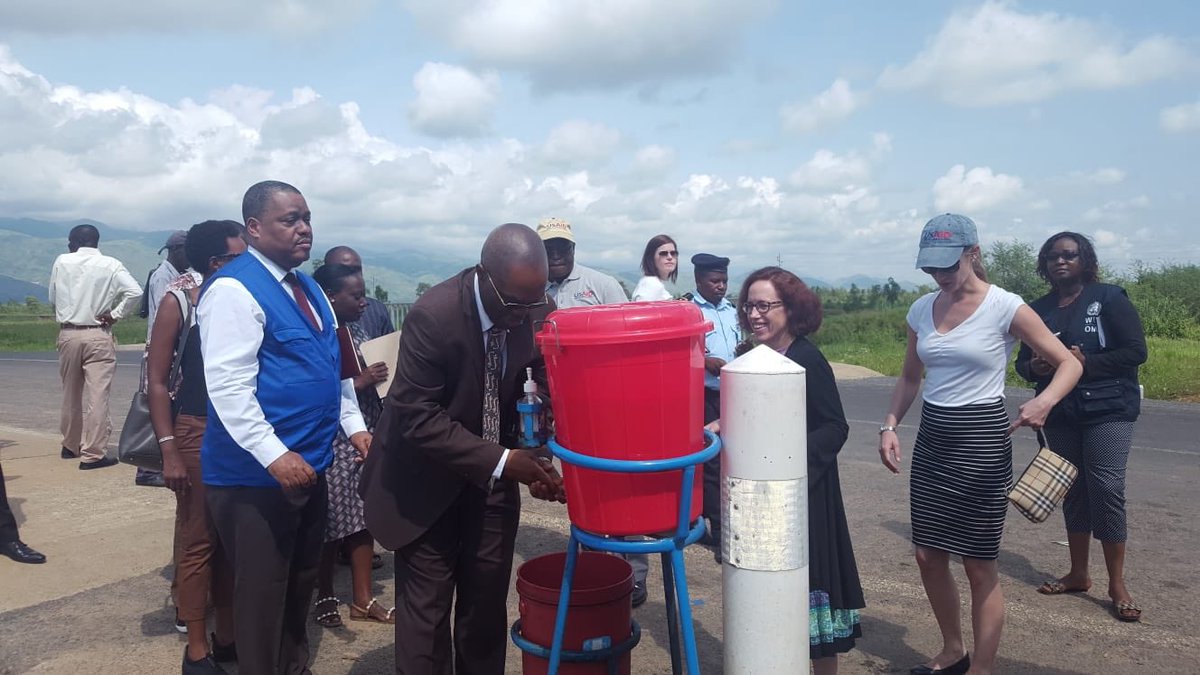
<point>960,338</point>
<point>660,263</point>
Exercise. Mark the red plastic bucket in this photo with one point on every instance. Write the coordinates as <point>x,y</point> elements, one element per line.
<point>598,614</point>
<point>627,382</point>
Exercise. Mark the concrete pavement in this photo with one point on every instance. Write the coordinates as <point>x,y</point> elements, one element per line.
<point>101,605</point>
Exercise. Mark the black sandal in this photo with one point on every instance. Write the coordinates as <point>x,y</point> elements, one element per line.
<point>330,619</point>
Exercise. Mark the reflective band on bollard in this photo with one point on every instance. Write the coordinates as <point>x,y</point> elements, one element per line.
<point>764,513</point>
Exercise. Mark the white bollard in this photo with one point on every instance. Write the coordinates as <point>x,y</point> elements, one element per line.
<point>764,514</point>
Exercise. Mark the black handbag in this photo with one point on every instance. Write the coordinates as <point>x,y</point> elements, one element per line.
<point>138,444</point>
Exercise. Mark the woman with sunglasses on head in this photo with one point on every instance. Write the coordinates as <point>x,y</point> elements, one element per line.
<point>179,415</point>
<point>960,338</point>
<point>345,524</point>
<point>780,311</point>
<point>1093,426</point>
<point>660,264</point>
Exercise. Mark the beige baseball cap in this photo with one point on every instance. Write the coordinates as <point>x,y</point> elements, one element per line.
<point>555,228</point>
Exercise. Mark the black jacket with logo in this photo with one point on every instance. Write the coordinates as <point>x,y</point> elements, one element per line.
<point>1106,327</point>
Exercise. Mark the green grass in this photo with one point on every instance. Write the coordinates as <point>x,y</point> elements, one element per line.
<point>26,334</point>
<point>875,340</point>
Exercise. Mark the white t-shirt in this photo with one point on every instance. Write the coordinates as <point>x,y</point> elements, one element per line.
<point>966,365</point>
<point>651,288</point>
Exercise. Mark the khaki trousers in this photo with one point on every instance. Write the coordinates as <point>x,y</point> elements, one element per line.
<point>87,359</point>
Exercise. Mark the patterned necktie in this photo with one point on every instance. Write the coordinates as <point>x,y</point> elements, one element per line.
<point>491,385</point>
<point>301,298</point>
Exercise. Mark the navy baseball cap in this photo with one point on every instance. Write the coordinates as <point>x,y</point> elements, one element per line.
<point>707,262</point>
<point>944,239</point>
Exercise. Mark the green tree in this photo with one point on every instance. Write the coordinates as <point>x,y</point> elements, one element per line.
<point>422,287</point>
<point>31,303</point>
<point>380,294</point>
<point>316,263</point>
<point>1013,267</point>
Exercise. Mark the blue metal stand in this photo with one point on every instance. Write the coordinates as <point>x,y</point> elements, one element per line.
<point>679,606</point>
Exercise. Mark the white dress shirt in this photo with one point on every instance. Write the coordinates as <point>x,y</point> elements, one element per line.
<point>230,344</point>
<point>487,323</point>
<point>87,283</point>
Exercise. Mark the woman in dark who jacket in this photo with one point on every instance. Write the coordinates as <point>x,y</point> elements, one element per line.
<point>1092,426</point>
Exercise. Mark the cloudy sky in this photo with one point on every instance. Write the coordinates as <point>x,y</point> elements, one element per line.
<point>759,129</point>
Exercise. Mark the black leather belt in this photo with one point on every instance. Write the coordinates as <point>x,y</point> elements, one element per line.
<point>71,326</point>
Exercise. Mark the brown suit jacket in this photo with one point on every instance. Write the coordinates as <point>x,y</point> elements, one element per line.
<point>427,446</point>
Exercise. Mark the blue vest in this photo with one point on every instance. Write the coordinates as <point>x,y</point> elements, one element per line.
<point>298,384</point>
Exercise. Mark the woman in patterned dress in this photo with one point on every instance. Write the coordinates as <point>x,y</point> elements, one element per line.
<point>345,525</point>
<point>780,311</point>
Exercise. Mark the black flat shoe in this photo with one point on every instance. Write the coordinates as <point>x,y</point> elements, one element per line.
<point>223,653</point>
<point>105,462</point>
<point>66,454</point>
<point>957,668</point>
<point>18,551</point>
<point>205,666</point>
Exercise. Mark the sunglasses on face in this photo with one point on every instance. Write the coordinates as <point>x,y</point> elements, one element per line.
<point>515,305</point>
<point>931,271</point>
<point>1067,256</point>
<point>668,254</point>
<point>223,258</point>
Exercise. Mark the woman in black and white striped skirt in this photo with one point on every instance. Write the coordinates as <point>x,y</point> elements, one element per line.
<point>960,338</point>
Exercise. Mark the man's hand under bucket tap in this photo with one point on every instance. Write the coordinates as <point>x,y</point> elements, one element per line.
<point>555,491</point>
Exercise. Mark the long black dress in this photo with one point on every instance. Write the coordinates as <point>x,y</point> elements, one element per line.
<point>835,593</point>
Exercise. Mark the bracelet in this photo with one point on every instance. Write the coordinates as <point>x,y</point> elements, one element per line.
<point>164,439</point>
<point>887,427</point>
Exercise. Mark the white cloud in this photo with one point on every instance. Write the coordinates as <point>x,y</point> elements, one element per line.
<point>1116,210</point>
<point>453,101</point>
<point>1179,119</point>
<point>832,105</point>
<point>829,170</point>
<point>995,54</point>
<point>576,44</point>
<point>971,192</point>
<point>654,159</point>
<point>1106,176</point>
<point>177,16</point>
<point>578,142</point>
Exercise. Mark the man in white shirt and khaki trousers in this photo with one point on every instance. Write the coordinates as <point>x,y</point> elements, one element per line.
<point>90,292</point>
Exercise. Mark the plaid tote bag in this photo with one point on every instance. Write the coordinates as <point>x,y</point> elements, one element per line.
<point>1044,483</point>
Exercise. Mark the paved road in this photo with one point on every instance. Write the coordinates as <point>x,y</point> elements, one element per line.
<point>100,605</point>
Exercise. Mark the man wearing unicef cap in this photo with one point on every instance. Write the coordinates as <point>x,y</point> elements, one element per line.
<point>571,284</point>
<point>944,240</point>
<point>712,280</point>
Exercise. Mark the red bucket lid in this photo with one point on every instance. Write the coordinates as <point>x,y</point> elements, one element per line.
<point>624,323</point>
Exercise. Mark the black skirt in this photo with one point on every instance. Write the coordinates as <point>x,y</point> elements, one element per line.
<point>960,478</point>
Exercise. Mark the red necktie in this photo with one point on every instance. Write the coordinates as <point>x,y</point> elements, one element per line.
<point>301,298</point>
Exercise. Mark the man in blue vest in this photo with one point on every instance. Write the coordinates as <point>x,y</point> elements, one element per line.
<point>276,398</point>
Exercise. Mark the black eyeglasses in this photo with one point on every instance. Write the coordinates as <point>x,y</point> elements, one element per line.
<point>515,305</point>
<point>762,306</point>
<point>931,271</point>
<point>1068,256</point>
<point>668,254</point>
<point>223,258</point>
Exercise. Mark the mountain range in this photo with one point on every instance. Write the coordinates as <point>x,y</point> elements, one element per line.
<point>28,248</point>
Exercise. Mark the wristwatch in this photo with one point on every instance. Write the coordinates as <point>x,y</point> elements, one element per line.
<point>886,427</point>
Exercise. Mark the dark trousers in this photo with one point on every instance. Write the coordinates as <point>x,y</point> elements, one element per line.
<point>712,468</point>
<point>464,559</point>
<point>273,540</point>
<point>8,522</point>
